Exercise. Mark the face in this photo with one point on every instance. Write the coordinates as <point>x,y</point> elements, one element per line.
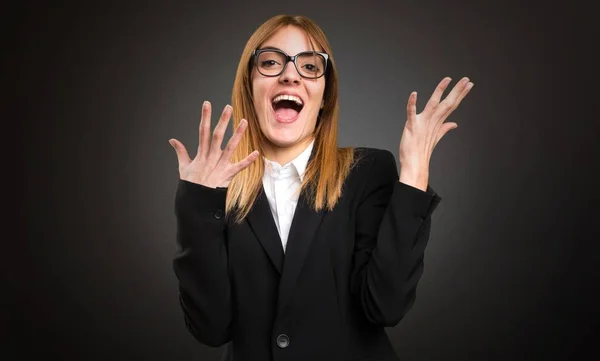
<point>287,125</point>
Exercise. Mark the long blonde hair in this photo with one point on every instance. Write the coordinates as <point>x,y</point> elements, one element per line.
<point>329,166</point>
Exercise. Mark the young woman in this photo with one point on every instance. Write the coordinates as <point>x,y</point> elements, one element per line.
<point>292,248</point>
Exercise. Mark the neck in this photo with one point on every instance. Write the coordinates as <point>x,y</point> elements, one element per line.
<point>284,155</point>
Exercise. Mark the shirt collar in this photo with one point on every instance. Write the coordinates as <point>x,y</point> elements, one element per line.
<point>300,162</point>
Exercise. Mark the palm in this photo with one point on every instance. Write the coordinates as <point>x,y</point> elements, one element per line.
<point>211,166</point>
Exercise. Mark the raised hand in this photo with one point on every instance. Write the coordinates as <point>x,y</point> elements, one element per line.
<point>211,167</point>
<point>423,131</point>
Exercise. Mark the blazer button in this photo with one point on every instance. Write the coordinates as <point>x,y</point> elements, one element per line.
<point>218,214</point>
<point>283,341</point>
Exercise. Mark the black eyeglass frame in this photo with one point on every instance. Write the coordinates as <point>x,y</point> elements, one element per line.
<point>289,58</point>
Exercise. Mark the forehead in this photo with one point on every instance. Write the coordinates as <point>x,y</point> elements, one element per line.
<point>290,39</point>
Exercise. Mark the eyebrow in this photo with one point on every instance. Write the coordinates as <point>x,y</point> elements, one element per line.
<point>272,48</point>
<point>276,48</point>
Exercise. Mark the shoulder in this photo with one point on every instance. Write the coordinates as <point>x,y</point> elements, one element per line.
<point>368,160</point>
<point>372,169</point>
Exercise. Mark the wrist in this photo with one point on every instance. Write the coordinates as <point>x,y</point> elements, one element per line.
<point>415,177</point>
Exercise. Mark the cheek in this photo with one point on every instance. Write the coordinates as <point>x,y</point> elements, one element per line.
<point>318,91</point>
<point>261,107</point>
<point>256,88</point>
<point>259,92</point>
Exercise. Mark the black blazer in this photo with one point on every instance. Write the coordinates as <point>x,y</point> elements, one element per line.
<point>346,273</point>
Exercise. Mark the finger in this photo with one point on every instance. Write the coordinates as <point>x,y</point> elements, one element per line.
<point>449,102</point>
<point>234,140</point>
<point>244,163</point>
<point>219,133</point>
<point>465,91</point>
<point>437,95</point>
<point>204,136</point>
<point>411,107</point>
<point>458,88</point>
<point>182,155</point>
<point>445,128</point>
<point>457,102</point>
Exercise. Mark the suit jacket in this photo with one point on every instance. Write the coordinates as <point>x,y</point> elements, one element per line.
<point>346,273</point>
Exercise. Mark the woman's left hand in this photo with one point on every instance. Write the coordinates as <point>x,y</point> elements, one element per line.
<point>423,131</point>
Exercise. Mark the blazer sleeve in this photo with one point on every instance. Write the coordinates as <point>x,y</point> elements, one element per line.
<point>200,263</point>
<point>393,223</point>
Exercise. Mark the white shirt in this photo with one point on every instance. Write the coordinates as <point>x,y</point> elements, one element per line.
<point>282,185</point>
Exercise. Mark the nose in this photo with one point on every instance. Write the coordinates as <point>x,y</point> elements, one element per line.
<point>290,74</point>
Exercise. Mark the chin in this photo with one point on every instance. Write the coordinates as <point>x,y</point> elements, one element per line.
<point>285,139</point>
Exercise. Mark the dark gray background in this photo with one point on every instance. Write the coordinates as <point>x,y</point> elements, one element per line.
<point>99,88</point>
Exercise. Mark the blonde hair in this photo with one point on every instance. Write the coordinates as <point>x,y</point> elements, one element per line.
<point>329,166</point>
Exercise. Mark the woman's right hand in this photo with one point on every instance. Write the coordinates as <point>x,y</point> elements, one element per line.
<point>212,166</point>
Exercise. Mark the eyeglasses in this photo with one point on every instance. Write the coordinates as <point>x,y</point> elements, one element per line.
<point>272,62</point>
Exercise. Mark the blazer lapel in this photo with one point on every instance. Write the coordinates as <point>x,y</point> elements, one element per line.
<point>302,232</point>
<point>261,221</point>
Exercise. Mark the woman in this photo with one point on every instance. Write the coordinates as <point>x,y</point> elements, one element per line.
<point>290,247</point>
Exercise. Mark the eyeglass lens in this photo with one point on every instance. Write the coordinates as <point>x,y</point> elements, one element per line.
<point>310,65</point>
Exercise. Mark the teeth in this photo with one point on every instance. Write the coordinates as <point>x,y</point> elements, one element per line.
<point>288,97</point>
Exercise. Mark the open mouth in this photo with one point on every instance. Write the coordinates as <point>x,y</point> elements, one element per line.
<point>287,107</point>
